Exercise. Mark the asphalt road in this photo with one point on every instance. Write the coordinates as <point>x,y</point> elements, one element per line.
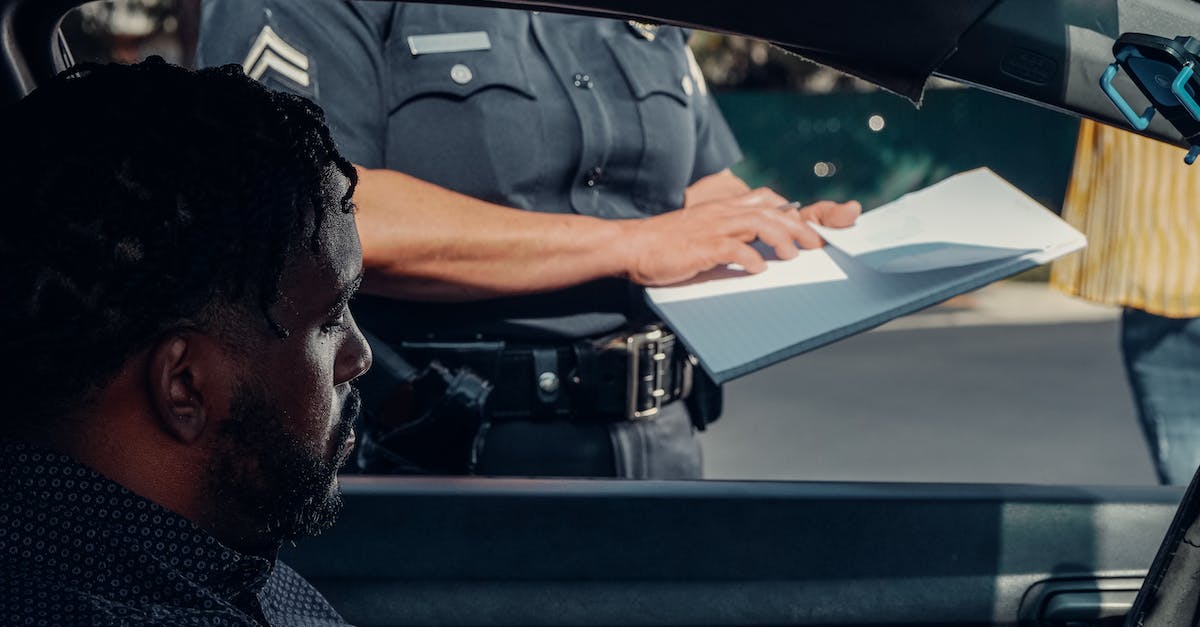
<point>1010,404</point>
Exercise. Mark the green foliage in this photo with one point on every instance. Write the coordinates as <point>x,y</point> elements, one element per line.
<point>811,147</point>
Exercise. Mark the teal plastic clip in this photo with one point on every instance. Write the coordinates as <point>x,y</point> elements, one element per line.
<point>1140,122</point>
<point>1179,88</point>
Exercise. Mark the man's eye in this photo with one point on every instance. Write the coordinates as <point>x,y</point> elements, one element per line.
<point>335,324</point>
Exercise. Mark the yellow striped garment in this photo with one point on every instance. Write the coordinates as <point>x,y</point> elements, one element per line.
<point>1139,206</point>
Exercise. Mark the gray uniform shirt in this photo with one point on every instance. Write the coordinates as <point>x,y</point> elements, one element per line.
<point>538,111</point>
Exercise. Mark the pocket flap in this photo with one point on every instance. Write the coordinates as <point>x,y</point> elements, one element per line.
<point>459,74</point>
<point>650,68</point>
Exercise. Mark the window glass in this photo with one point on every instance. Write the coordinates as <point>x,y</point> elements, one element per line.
<point>1012,383</point>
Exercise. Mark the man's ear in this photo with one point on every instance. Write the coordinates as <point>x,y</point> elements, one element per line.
<point>179,379</point>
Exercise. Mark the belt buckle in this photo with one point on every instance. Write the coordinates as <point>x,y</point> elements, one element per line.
<point>645,385</point>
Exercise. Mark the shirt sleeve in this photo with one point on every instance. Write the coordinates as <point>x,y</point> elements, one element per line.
<point>716,147</point>
<point>329,51</point>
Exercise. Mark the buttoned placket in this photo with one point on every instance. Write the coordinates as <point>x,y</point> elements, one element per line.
<point>595,124</point>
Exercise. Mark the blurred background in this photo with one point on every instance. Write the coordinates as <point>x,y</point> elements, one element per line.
<point>1014,383</point>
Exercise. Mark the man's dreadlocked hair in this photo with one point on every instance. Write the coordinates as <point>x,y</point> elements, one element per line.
<point>141,198</point>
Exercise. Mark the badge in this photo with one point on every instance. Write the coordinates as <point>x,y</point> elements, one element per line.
<point>646,30</point>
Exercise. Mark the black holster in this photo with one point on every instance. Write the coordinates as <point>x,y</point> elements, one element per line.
<point>420,421</point>
<point>433,420</point>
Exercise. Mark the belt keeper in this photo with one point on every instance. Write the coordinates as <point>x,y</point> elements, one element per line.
<point>584,380</point>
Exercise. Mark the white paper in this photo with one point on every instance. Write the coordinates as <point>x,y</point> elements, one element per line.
<point>955,236</point>
<point>969,218</point>
<point>810,266</point>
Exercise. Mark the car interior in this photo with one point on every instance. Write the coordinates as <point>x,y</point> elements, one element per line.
<point>480,551</point>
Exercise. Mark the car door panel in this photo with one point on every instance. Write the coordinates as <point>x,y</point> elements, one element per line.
<point>534,552</point>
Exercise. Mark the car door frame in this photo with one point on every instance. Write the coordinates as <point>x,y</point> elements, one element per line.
<point>524,552</point>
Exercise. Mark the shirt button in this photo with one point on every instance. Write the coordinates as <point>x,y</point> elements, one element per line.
<point>583,81</point>
<point>461,74</point>
<point>593,176</point>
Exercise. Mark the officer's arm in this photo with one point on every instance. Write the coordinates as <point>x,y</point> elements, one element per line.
<point>424,242</point>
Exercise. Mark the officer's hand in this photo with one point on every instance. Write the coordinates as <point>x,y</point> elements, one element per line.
<point>676,246</point>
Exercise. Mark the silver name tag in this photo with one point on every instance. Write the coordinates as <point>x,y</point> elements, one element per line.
<point>449,42</point>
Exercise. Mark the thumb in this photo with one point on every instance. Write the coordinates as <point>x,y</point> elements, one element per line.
<point>833,214</point>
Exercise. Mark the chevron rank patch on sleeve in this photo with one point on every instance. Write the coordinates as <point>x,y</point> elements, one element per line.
<point>270,52</point>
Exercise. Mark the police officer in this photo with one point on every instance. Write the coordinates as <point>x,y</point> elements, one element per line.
<point>521,173</point>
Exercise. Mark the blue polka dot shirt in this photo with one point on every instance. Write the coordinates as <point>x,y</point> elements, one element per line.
<point>78,549</point>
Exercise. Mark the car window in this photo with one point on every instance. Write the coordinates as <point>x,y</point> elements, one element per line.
<point>1014,383</point>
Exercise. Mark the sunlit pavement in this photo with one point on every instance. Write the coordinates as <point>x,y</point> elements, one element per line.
<point>1014,384</point>
<point>1006,303</point>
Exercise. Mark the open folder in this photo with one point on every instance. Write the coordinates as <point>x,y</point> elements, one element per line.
<point>958,235</point>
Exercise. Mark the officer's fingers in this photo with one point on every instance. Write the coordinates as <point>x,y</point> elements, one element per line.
<point>742,204</point>
<point>748,226</point>
<point>781,232</point>
<point>842,215</point>
<point>795,226</point>
<point>818,211</point>
<point>776,228</point>
<point>734,251</point>
<point>761,197</point>
<point>833,214</point>
<point>805,236</point>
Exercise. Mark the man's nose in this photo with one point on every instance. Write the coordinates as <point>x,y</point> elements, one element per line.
<point>355,359</point>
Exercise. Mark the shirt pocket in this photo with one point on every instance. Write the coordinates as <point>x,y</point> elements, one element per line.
<point>655,72</point>
<point>464,120</point>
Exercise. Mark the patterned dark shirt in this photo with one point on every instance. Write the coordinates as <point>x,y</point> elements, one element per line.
<point>78,549</point>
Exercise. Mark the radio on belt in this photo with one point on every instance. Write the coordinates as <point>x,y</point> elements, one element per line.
<point>1165,72</point>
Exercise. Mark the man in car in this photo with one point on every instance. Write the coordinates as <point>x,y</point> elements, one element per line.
<point>555,164</point>
<point>179,249</point>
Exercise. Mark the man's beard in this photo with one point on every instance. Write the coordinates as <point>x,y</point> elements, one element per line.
<point>262,472</point>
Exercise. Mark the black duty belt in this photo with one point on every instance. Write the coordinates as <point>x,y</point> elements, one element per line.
<point>626,376</point>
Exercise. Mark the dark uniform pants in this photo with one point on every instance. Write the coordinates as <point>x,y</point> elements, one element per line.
<point>665,447</point>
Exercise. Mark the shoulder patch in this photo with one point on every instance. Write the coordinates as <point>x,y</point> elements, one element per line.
<point>270,52</point>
